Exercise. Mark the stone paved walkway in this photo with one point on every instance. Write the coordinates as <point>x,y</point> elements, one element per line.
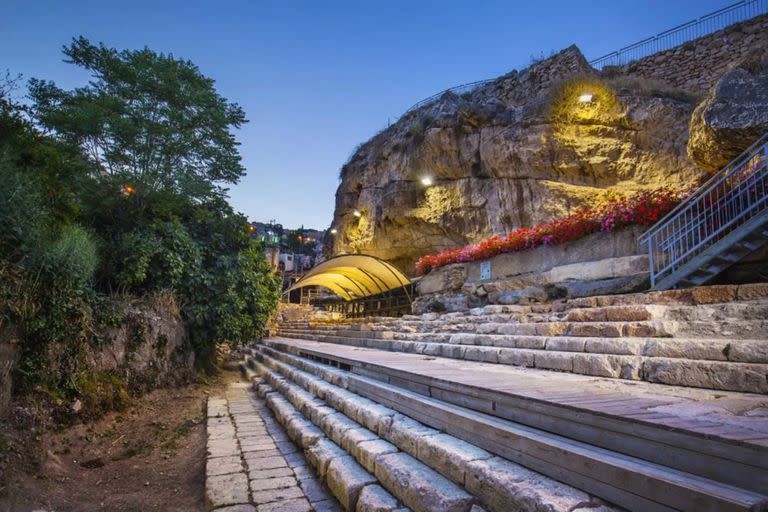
<point>252,466</point>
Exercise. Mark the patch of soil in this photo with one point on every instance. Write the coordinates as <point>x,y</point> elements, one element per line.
<point>148,457</point>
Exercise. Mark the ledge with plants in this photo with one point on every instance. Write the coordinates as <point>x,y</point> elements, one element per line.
<point>641,209</point>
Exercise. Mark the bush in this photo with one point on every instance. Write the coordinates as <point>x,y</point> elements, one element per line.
<point>74,256</point>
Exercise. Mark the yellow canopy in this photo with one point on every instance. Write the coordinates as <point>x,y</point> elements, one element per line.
<point>353,276</point>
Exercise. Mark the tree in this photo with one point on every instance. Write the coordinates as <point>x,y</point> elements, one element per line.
<point>147,119</point>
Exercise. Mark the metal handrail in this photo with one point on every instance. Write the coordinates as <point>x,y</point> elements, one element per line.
<point>683,33</point>
<point>458,89</point>
<point>717,177</point>
<point>728,200</point>
<point>709,23</point>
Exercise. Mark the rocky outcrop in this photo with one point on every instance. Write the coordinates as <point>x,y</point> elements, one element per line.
<point>520,150</point>
<point>733,116</point>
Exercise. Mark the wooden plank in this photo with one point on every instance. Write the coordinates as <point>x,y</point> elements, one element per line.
<point>543,452</point>
<point>677,449</point>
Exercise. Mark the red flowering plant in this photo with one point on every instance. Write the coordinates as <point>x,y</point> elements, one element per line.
<point>643,208</point>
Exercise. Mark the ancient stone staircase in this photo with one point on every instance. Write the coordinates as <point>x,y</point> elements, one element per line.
<point>709,337</point>
<point>432,454</point>
<point>554,406</point>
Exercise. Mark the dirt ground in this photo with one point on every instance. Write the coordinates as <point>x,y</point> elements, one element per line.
<point>148,457</point>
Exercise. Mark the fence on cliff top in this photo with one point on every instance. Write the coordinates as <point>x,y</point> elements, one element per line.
<point>681,34</point>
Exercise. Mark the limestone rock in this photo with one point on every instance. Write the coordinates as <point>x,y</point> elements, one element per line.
<point>733,116</point>
<point>515,152</point>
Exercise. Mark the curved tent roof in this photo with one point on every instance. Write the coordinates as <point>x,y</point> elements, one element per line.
<point>353,276</point>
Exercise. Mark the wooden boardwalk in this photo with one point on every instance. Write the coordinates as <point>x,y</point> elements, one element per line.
<point>738,417</point>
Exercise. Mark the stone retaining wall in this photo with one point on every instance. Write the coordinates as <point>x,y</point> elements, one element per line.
<point>698,64</point>
<point>598,264</point>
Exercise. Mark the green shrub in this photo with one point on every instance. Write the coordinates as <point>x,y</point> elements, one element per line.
<point>74,256</point>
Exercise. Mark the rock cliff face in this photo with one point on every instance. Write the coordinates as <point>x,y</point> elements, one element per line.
<point>733,115</point>
<point>521,150</point>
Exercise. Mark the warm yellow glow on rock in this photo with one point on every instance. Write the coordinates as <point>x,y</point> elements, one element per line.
<point>437,202</point>
<point>585,100</point>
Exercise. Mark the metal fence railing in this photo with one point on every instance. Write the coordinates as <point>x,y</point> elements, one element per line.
<point>730,199</point>
<point>694,29</point>
<point>712,22</point>
<point>459,89</point>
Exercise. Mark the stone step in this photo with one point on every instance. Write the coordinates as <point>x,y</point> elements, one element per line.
<point>353,486</point>
<point>666,363</point>
<point>352,456</point>
<point>405,454</point>
<point>716,349</point>
<point>627,481</point>
<point>689,429</point>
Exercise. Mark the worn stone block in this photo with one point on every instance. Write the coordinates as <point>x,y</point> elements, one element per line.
<point>367,452</point>
<point>291,505</point>
<point>259,474</point>
<point>420,487</point>
<point>265,484</point>
<point>259,463</point>
<point>222,447</point>
<point>405,433</point>
<point>517,357</point>
<point>223,465</point>
<point>372,416</point>
<point>503,485</point>
<point>448,455</point>
<point>322,453</point>
<point>231,489</point>
<point>555,361</point>
<point>273,495</point>
<point>374,498</point>
<point>565,344</point>
<point>353,436</point>
<point>729,376</point>
<point>346,478</point>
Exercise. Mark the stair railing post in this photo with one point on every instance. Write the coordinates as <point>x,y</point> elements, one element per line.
<point>650,261</point>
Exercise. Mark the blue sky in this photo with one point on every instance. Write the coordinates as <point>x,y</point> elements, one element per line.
<point>316,78</point>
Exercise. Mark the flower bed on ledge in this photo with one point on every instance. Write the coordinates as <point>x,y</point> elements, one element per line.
<point>643,208</point>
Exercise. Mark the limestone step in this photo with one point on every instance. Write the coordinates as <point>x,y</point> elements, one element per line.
<point>715,349</point>
<point>353,486</point>
<point>627,481</point>
<point>742,319</point>
<point>352,457</point>
<point>719,435</point>
<point>407,456</point>
<point>667,362</point>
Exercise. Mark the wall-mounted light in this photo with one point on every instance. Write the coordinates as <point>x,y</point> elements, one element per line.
<point>357,213</point>
<point>585,98</point>
<point>426,181</point>
<point>334,231</point>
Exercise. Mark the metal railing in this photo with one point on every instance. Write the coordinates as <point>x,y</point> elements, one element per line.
<point>395,302</point>
<point>458,90</point>
<point>681,34</point>
<point>694,29</point>
<point>727,201</point>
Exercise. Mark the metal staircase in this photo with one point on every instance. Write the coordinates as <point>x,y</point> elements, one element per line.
<point>721,222</point>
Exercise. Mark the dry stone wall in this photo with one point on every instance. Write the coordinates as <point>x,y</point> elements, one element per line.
<point>698,64</point>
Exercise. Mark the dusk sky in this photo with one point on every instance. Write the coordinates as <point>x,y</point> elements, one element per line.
<point>318,78</point>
